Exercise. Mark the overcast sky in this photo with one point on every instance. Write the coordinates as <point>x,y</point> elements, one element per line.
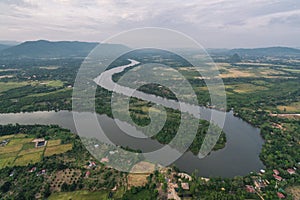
<point>213,23</point>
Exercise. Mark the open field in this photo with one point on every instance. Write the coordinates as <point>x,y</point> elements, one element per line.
<point>57,149</point>
<point>50,93</point>
<point>80,195</point>
<point>292,108</point>
<point>245,88</point>
<point>18,141</point>
<point>54,83</point>
<point>31,150</point>
<point>143,167</point>
<point>23,160</point>
<point>295,191</point>
<point>21,150</point>
<point>137,180</point>
<point>6,162</point>
<point>49,67</point>
<point>4,86</point>
<point>51,143</point>
<point>9,149</point>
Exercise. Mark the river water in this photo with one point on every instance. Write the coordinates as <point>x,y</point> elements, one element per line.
<point>239,157</point>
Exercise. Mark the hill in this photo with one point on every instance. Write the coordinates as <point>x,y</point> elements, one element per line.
<point>3,46</point>
<point>47,49</point>
<point>268,51</point>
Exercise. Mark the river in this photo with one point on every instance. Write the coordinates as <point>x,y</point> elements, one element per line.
<point>239,157</point>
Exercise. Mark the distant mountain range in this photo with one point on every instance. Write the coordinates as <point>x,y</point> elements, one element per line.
<point>47,49</point>
<point>67,49</point>
<point>257,52</point>
<point>3,46</point>
<point>268,51</point>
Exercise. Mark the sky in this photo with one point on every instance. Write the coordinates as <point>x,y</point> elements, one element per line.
<point>212,23</point>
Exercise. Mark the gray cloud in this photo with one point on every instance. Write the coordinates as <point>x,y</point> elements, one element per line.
<point>215,23</point>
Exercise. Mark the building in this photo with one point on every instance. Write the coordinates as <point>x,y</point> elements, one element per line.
<point>185,176</point>
<point>291,171</point>
<point>280,195</point>
<point>4,142</point>
<point>105,159</point>
<point>250,189</point>
<point>278,178</point>
<point>185,186</point>
<point>39,142</point>
<point>276,172</point>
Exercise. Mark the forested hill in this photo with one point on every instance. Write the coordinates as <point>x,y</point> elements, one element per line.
<point>47,49</point>
<point>268,51</point>
<point>258,52</point>
<point>3,46</point>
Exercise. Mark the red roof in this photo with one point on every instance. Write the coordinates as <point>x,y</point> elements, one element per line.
<point>87,173</point>
<point>276,171</point>
<point>279,178</point>
<point>291,171</point>
<point>250,188</point>
<point>280,195</point>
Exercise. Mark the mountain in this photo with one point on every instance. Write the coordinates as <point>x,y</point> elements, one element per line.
<point>9,42</point>
<point>268,51</point>
<point>3,46</point>
<point>47,49</point>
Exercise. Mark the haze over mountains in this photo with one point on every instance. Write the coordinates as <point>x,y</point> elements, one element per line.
<point>66,49</point>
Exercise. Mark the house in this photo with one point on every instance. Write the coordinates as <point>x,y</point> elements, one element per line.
<point>185,176</point>
<point>185,186</point>
<point>278,178</point>
<point>39,142</point>
<point>250,189</point>
<point>276,172</point>
<point>32,169</point>
<point>105,159</point>
<point>262,171</point>
<point>87,174</point>
<point>280,195</point>
<point>92,164</point>
<point>291,171</point>
<point>4,142</point>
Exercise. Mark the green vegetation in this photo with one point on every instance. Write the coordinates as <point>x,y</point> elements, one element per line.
<point>37,175</point>
<point>79,195</point>
<point>255,89</point>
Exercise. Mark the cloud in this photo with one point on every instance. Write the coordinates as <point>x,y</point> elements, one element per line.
<point>98,19</point>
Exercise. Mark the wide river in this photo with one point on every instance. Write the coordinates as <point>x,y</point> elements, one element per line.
<point>239,157</point>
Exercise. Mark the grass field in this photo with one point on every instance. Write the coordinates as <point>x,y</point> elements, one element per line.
<point>50,93</point>
<point>8,149</point>
<point>295,191</point>
<point>49,67</point>
<point>57,149</point>
<point>137,180</point>
<point>143,167</point>
<point>23,160</point>
<point>245,88</point>
<point>6,162</point>
<point>51,143</point>
<point>80,195</point>
<point>31,150</point>
<point>54,83</point>
<point>18,141</point>
<point>4,86</point>
<point>21,150</point>
<point>292,108</point>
